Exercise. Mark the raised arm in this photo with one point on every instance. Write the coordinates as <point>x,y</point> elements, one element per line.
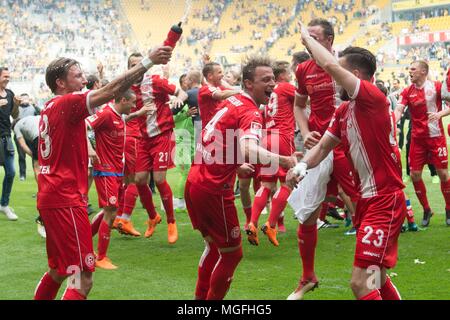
<point>251,150</point>
<point>159,55</point>
<point>329,63</point>
<point>224,94</point>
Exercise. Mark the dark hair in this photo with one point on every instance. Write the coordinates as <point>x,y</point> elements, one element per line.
<point>24,95</point>
<point>127,95</point>
<point>396,80</point>
<point>382,88</point>
<point>91,80</point>
<point>252,62</point>
<point>423,64</point>
<point>182,77</point>
<point>300,57</point>
<point>58,69</point>
<point>280,67</point>
<point>327,27</point>
<point>134,55</point>
<point>209,68</point>
<point>361,59</point>
<point>3,69</point>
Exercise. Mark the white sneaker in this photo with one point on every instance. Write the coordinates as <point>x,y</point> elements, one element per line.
<point>320,224</point>
<point>41,230</point>
<point>264,212</point>
<point>9,213</point>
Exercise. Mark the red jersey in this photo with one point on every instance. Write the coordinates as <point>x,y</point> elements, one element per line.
<point>218,155</point>
<point>63,155</point>
<point>158,89</point>
<point>134,125</point>
<point>314,82</point>
<point>365,128</point>
<point>109,129</point>
<point>448,80</point>
<point>207,105</point>
<point>279,113</point>
<point>420,101</point>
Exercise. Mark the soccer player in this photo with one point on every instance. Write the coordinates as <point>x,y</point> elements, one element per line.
<point>364,126</point>
<point>319,86</point>
<point>213,92</point>
<point>280,129</point>
<point>109,129</point>
<point>234,131</point>
<point>428,142</point>
<point>156,148</point>
<point>62,180</point>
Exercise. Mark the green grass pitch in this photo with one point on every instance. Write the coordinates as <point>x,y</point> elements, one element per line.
<point>153,269</point>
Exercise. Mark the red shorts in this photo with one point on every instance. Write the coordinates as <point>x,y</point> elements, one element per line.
<point>108,191</point>
<point>379,222</point>
<point>281,145</point>
<point>69,240</point>
<point>213,215</point>
<point>428,151</point>
<point>344,176</point>
<point>156,153</point>
<point>131,153</point>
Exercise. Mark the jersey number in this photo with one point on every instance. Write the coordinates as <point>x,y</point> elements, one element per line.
<point>272,108</point>
<point>369,230</point>
<point>209,128</point>
<point>163,156</point>
<point>46,147</point>
<point>442,152</point>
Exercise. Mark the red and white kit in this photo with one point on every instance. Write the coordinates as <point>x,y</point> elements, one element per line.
<point>157,145</point>
<point>63,183</point>
<point>109,129</point>
<point>207,105</point>
<point>365,128</point>
<point>428,142</point>
<point>209,189</point>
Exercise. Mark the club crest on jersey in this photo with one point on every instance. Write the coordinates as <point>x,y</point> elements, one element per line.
<point>256,128</point>
<point>113,200</point>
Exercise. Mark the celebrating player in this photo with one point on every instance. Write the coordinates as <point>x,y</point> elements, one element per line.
<point>62,181</point>
<point>364,127</point>
<point>428,142</point>
<point>209,189</point>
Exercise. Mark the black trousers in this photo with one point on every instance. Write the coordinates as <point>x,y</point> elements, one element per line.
<point>22,161</point>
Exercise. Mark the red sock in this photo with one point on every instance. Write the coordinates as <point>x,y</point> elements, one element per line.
<point>307,241</point>
<point>72,294</point>
<point>389,291</point>
<point>339,204</point>
<point>373,295</point>
<point>259,203</point>
<point>104,234</point>
<point>409,212</point>
<point>421,193</point>
<point>96,222</point>
<point>167,200</point>
<point>205,268</point>
<point>129,199</point>
<point>445,188</point>
<point>121,199</point>
<point>323,211</point>
<point>47,288</point>
<point>248,214</point>
<point>147,199</point>
<point>223,274</point>
<point>279,202</point>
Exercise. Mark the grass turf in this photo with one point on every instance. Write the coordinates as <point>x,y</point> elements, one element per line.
<point>153,269</point>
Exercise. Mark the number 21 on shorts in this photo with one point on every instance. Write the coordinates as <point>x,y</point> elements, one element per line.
<point>163,156</point>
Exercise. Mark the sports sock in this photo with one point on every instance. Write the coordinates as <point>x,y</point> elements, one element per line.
<point>104,234</point>
<point>421,193</point>
<point>445,188</point>
<point>248,214</point>
<point>147,200</point>
<point>323,211</point>
<point>205,268</point>
<point>129,199</point>
<point>373,295</point>
<point>73,294</point>
<point>47,288</point>
<point>167,200</point>
<point>409,211</point>
<point>279,202</point>
<point>259,203</point>
<point>222,275</point>
<point>389,291</point>
<point>307,241</point>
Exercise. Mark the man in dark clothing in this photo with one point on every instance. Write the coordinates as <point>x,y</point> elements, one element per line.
<point>9,106</point>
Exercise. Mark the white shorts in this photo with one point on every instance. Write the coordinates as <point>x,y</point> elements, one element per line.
<point>312,190</point>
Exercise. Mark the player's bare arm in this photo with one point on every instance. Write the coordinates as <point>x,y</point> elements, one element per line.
<point>398,112</point>
<point>24,146</point>
<point>180,98</point>
<point>311,138</point>
<point>147,108</point>
<point>224,94</point>
<point>436,116</point>
<point>329,63</point>
<point>159,55</point>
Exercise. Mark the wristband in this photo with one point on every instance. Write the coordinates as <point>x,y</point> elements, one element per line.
<point>147,63</point>
<point>300,168</point>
